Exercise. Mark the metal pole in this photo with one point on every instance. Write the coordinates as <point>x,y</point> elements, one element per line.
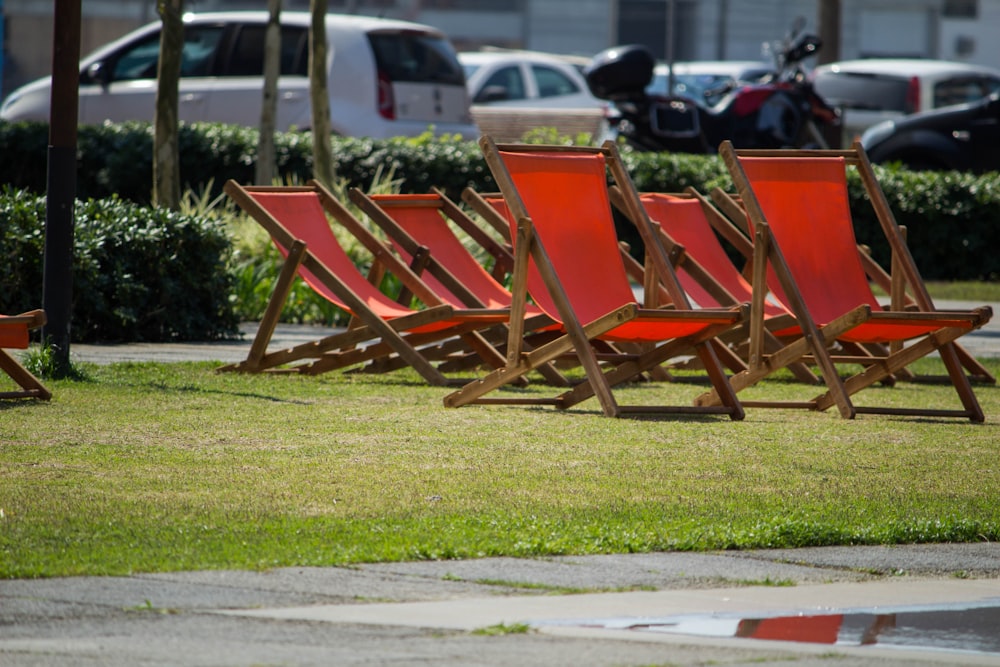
<point>670,46</point>
<point>3,30</point>
<point>829,31</point>
<point>723,30</point>
<point>57,279</point>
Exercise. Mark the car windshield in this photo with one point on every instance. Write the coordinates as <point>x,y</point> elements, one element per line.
<point>863,91</point>
<point>694,86</point>
<point>960,90</point>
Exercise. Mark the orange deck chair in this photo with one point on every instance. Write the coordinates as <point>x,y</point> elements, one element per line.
<point>14,334</point>
<point>806,253</point>
<point>893,282</point>
<point>417,225</point>
<point>691,228</point>
<point>567,257</point>
<point>493,209</point>
<point>296,218</point>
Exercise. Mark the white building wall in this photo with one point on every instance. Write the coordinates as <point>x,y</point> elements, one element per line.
<point>973,40</point>
<point>752,23</point>
<point>581,27</point>
<point>889,28</point>
<point>473,29</point>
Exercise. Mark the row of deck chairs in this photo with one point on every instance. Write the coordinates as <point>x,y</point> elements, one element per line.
<point>561,287</point>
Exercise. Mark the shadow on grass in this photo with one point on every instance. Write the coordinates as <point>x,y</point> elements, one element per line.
<point>195,389</point>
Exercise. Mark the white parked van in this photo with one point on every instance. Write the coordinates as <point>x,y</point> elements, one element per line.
<point>386,78</point>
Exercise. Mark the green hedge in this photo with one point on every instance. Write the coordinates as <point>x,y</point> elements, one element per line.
<point>116,159</point>
<point>139,274</point>
<point>953,219</point>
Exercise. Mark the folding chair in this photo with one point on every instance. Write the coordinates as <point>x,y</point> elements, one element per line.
<point>566,255</point>
<point>296,219</point>
<point>14,335</point>
<point>690,227</point>
<point>417,225</point>
<point>806,253</point>
<point>892,282</point>
<point>493,209</point>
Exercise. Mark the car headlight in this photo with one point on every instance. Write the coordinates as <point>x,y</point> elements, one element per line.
<point>877,133</point>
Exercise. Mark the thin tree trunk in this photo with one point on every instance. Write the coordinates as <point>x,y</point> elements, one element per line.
<point>265,168</point>
<point>320,102</point>
<point>166,158</point>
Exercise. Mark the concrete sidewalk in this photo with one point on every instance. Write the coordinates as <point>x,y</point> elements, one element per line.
<point>626,610</point>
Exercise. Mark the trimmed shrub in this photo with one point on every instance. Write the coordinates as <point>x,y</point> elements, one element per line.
<point>139,274</point>
<point>953,219</point>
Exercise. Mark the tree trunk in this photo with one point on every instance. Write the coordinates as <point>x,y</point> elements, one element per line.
<point>265,168</point>
<point>166,160</point>
<point>320,102</point>
<point>60,191</point>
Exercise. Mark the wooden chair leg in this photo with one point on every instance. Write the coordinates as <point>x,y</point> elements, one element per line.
<point>30,385</point>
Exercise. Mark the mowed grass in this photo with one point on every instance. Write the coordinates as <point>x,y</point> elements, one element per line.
<point>157,467</point>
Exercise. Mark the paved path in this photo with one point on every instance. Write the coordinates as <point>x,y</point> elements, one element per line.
<point>982,343</point>
<point>633,610</point>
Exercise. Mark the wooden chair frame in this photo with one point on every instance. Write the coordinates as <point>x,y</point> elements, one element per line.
<point>892,282</point>
<point>417,227</point>
<point>704,269</point>
<point>577,339</point>
<point>14,334</point>
<point>814,343</point>
<point>387,335</point>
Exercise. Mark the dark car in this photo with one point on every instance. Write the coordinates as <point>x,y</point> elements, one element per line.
<point>965,137</point>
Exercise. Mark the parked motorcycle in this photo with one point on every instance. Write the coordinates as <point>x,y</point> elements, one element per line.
<point>779,112</point>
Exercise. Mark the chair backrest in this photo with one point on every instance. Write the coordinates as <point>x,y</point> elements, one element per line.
<point>565,194</point>
<point>301,213</point>
<point>805,203</point>
<point>421,217</point>
<point>13,333</point>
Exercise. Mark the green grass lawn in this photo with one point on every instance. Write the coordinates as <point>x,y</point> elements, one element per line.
<point>157,467</point>
<point>982,292</point>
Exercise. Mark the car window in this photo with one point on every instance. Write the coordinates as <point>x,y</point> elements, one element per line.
<point>200,45</point>
<point>863,91</point>
<point>246,56</point>
<point>416,57</point>
<point>140,60</point>
<point>960,90</point>
<point>509,78</point>
<point>552,82</point>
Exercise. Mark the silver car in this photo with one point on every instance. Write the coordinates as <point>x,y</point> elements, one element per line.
<point>872,90</point>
